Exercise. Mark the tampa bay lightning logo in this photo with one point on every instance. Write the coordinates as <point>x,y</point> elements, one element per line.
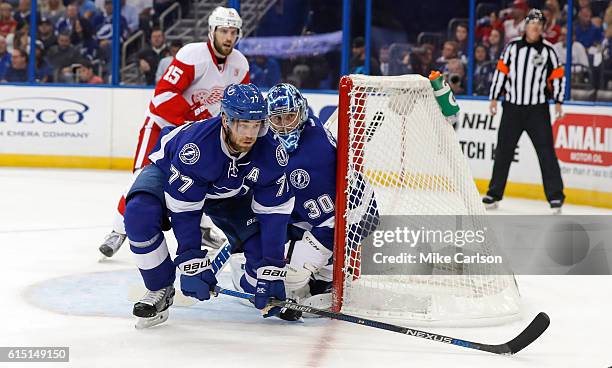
<point>190,154</point>
<point>299,178</point>
<point>281,155</point>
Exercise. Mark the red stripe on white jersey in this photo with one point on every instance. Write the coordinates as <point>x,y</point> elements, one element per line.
<point>149,134</point>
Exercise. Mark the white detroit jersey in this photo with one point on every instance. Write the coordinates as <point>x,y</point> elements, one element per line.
<point>195,78</point>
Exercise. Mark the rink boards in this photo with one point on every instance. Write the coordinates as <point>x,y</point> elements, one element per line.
<point>97,127</point>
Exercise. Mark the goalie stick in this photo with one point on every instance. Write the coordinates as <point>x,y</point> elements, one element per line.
<point>525,338</point>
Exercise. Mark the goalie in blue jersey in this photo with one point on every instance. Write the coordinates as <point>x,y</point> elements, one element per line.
<point>311,175</point>
<point>230,169</point>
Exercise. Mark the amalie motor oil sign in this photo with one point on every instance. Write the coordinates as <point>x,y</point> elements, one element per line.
<point>584,139</point>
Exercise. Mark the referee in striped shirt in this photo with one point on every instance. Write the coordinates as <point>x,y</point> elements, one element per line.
<point>530,74</point>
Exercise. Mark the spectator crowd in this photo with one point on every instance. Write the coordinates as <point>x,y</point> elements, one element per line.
<point>591,46</point>
<point>73,39</point>
<point>73,44</point>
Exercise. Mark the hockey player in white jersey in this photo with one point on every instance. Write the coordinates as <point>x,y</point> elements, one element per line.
<point>190,90</point>
<point>230,169</point>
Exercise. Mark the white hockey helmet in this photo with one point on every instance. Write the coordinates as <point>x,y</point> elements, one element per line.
<point>224,17</point>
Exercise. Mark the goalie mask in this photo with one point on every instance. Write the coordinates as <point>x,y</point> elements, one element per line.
<point>224,17</point>
<point>287,113</point>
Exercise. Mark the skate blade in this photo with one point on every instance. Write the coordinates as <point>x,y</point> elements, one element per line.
<point>556,211</point>
<point>102,258</point>
<point>491,206</point>
<point>161,317</point>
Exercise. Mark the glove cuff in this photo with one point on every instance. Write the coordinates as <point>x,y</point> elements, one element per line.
<point>271,273</point>
<point>193,262</point>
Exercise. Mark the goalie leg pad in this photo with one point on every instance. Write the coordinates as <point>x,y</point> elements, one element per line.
<point>325,273</point>
<point>237,262</point>
<point>308,257</point>
<point>297,282</point>
<point>308,253</point>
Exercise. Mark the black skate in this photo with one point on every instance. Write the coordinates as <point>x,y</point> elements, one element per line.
<point>490,203</point>
<point>153,308</point>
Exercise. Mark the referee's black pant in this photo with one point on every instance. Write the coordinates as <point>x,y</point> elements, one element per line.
<point>535,120</point>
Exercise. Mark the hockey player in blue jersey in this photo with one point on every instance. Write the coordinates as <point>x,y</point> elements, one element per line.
<point>312,176</point>
<point>230,169</point>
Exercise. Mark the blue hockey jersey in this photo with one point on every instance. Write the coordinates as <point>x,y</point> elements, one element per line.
<point>199,166</point>
<point>312,176</point>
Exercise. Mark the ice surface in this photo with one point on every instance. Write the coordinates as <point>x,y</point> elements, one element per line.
<point>55,292</point>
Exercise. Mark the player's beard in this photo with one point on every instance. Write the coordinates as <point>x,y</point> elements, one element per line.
<point>234,147</point>
<point>221,49</point>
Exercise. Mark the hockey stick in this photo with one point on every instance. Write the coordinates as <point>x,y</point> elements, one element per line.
<point>527,336</point>
<point>135,292</point>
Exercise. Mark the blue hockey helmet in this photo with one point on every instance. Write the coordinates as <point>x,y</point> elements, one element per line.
<point>285,98</point>
<point>245,102</point>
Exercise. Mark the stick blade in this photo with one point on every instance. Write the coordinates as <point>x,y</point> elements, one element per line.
<point>536,328</point>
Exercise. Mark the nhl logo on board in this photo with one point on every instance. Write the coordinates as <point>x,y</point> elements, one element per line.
<point>282,156</point>
<point>190,154</point>
<point>299,178</point>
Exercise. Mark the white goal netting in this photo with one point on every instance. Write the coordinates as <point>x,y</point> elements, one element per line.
<point>409,154</point>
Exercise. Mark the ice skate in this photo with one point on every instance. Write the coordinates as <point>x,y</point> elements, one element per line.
<point>556,206</point>
<point>153,307</point>
<point>490,203</point>
<point>112,243</point>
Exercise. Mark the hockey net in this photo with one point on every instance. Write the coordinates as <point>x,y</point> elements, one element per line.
<point>391,134</point>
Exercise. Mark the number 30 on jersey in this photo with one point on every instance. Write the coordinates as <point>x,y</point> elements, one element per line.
<point>321,205</point>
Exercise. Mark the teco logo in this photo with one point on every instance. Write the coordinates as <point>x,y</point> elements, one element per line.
<point>46,110</point>
<point>584,139</point>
